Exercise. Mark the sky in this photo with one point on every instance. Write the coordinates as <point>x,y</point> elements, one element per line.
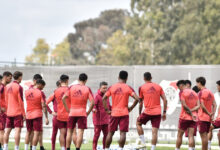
<point>24,21</point>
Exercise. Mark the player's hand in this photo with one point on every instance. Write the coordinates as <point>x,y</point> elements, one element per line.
<point>54,113</point>
<point>194,118</point>
<point>47,121</point>
<point>3,110</point>
<point>109,112</point>
<point>24,118</point>
<point>164,117</point>
<point>130,109</point>
<point>94,110</point>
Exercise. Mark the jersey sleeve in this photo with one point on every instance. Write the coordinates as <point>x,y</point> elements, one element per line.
<point>91,97</point>
<point>161,91</point>
<point>182,97</point>
<point>131,91</point>
<point>140,93</point>
<point>50,99</point>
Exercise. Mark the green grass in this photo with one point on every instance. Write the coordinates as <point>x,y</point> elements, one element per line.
<point>84,147</point>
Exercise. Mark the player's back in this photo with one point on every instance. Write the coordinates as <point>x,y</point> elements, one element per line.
<point>62,114</point>
<point>207,97</point>
<point>191,98</point>
<point>34,98</point>
<point>14,94</point>
<point>79,95</point>
<point>120,93</point>
<point>151,93</point>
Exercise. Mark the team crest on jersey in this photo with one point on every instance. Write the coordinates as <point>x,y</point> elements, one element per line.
<point>172,94</point>
<point>118,91</point>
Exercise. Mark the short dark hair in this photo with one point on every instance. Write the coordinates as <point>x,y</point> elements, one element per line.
<point>188,82</point>
<point>147,76</point>
<point>41,81</point>
<point>123,75</point>
<point>7,74</point>
<point>103,83</point>
<point>58,83</point>
<point>83,77</point>
<point>64,78</point>
<point>37,76</point>
<point>196,89</point>
<point>17,74</point>
<point>201,80</point>
<point>218,82</point>
<point>1,77</point>
<point>180,82</point>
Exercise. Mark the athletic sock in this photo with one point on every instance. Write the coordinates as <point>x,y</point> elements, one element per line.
<point>106,148</point>
<point>5,146</point>
<point>67,148</point>
<point>120,148</point>
<point>191,148</point>
<point>153,147</point>
<point>177,149</point>
<point>16,147</point>
<point>34,147</point>
<point>26,147</point>
<point>209,144</point>
<point>77,148</point>
<point>0,145</point>
<point>63,148</point>
<point>142,139</point>
<point>30,147</point>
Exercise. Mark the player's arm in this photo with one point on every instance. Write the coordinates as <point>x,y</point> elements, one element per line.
<point>196,107</point>
<point>96,101</point>
<point>91,98</point>
<point>186,108</point>
<point>140,106</point>
<point>164,106</point>
<point>48,101</point>
<point>214,106</point>
<point>45,111</point>
<point>204,109</point>
<point>20,100</point>
<point>104,101</point>
<point>64,102</point>
<point>137,99</point>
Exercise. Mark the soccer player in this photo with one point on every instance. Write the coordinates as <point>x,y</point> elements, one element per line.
<point>35,78</point>
<point>78,95</point>
<point>120,93</point>
<point>62,114</point>
<point>206,111</point>
<point>100,117</point>
<point>187,122</point>
<point>215,124</point>
<point>150,94</point>
<point>15,110</point>
<point>54,113</point>
<point>35,104</point>
<point>6,79</point>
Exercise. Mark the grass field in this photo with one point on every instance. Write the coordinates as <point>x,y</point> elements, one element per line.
<point>84,147</point>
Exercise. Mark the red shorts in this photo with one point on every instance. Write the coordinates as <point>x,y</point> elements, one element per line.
<point>122,121</point>
<point>14,122</point>
<point>195,130</point>
<point>61,124</point>
<point>80,120</point>
<point>185,124</point>
<point>204,126</point>
<point>155,119</point>
<point>34,124</point>
<point>2,121</point>
<point>216,124</point>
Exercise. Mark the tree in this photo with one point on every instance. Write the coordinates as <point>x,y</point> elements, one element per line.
<point>61,54</point>
<point>39,53</point>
